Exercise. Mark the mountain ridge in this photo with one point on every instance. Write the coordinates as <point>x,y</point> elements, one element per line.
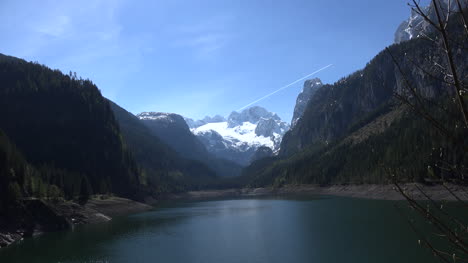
<point>354,130</point>
<point>238,136</point>
<point>173,130</point>
<point>64,127</point>
<point>416,26</point>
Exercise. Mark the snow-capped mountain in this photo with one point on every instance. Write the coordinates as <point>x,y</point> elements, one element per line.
<point>173,131</point>
<point>238,137</point>
<point>415,26</point>
<point>310,87</point>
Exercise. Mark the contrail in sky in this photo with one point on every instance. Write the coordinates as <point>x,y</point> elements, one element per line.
<point>282,88</point>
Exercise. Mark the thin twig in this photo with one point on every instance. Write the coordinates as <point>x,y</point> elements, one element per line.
<point>423,238</point>
<point>451,61</point>
<point>460,9</point>
<point>454,195</point>
<point>454,239</point>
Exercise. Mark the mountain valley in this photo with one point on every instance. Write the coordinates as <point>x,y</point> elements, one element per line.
<point>68,153</point>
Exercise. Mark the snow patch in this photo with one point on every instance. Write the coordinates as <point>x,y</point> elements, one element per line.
<point>240,135</point>
<point>155,116</point>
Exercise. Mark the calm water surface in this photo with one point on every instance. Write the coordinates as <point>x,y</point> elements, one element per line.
<point>323,229</point>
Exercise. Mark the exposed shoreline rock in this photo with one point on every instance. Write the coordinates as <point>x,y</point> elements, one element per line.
<point>38,216</point>
<point>8,238</point>
<point>378,192</point>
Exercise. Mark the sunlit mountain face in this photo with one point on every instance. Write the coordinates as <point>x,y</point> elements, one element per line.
<point>238,137</point>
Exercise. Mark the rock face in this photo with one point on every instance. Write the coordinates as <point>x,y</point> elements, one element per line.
<point>412,27</point>
<point>270,127</point>
<point>252,115</point>
<point>238,138</point>
<point>334,109</point>
<point>310,87</point>
<point>415,26</point>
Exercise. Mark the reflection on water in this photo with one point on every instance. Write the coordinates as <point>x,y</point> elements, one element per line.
<point>279,229</point>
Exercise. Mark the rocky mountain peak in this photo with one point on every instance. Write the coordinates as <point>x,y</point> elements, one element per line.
<point>216,118</point>
<point>268,127</point>
<point>310,87</point>
<point>312,84</point>
<point>252,115</point>
<point>238,138</point>
<point>415,26</point>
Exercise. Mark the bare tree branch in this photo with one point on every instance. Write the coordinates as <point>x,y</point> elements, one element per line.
<point>422,112</point>
<point>451,62</point>
<point>465,24</point>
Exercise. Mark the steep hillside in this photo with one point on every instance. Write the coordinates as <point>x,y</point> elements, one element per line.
<point>16,176</point>
<point>334,109</point>
<point>63,125</point>
<point>165,170</point>
<point>362,160</point>
<point>174,131</point>
<point>310,87</point>
<point>355,129</point>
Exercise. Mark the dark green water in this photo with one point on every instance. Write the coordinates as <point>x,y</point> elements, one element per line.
<point>308,230</point>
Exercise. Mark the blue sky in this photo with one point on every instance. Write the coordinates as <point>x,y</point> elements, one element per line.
<point>200,57</point>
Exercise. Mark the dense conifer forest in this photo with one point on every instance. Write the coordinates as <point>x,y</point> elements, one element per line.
<point>62,126</point>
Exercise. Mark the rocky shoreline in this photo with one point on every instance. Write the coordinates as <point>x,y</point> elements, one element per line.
<point>38,216</point>
<point>48,216</point>
<point>380,192</point>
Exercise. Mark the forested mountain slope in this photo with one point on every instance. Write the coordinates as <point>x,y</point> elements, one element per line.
<point>354,130</point>
<point>173,130</point>
<point>17,177</point>
<point>65,128</point>
<point>165,170</point>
